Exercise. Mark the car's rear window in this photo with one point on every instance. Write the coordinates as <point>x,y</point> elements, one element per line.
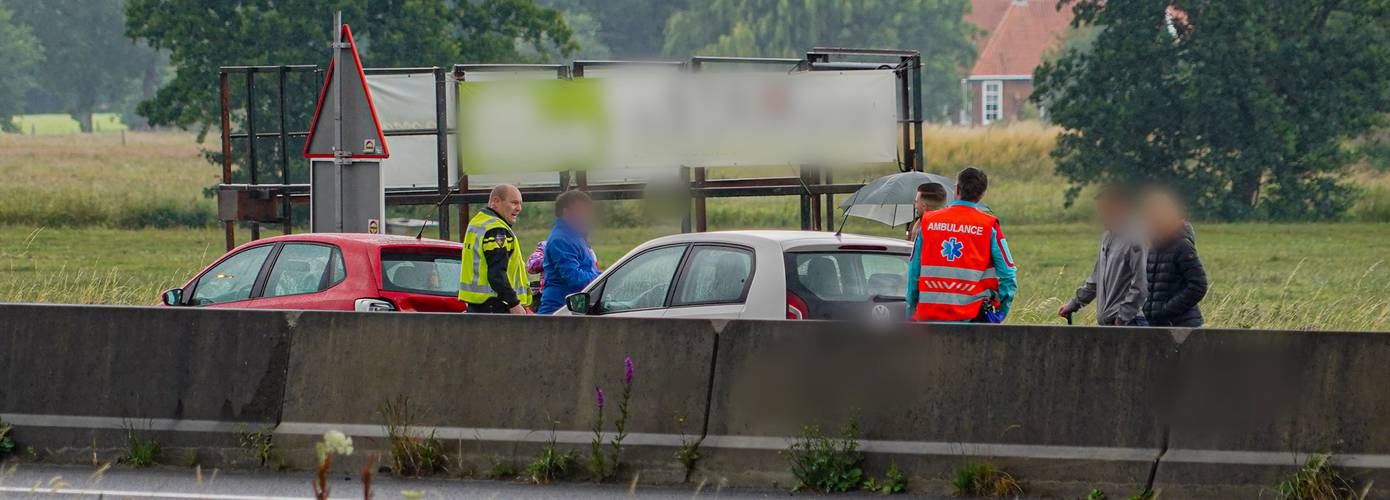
<point>847,276</point>
<point>420,270</point>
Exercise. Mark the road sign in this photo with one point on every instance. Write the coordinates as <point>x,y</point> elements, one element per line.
<point>361,130</point>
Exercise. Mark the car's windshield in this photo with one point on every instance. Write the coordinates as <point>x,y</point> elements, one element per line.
<point>420,270</point>
<point>848,276</point>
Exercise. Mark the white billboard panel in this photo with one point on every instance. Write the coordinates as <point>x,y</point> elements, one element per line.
<point>656,120</point>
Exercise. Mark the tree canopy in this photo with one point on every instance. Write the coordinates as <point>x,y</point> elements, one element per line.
<point>786,28</point>
<point>1242,107</point>
<point>88,63</point>
<point>202,36</point>
<point>20,53</point>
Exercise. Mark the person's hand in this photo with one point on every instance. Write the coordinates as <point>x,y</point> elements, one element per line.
<point>1065,310</point>
<point>517,309</point>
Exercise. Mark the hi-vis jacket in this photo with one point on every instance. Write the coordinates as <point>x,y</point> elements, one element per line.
<point>492,265</point>
<point>959,261</point>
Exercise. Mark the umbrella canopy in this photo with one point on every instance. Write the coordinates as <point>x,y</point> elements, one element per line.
<point>888,199</point>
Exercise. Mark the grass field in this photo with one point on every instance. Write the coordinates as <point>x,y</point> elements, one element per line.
<point>85,220</point>
<point>64,124</point>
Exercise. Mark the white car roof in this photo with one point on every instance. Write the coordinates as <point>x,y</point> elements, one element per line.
<point>787,240</point>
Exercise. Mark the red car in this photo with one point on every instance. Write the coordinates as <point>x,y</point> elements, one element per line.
<point>329,271</point>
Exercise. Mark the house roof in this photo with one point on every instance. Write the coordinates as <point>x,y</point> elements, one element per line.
<point>1018,33</point>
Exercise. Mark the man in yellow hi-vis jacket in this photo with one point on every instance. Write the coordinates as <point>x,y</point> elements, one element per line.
<point>493,275</point>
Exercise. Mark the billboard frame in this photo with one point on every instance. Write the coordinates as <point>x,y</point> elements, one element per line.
<point>249,202</point>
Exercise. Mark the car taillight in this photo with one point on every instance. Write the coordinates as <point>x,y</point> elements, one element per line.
<point>373,305</point>
<point>796,308</point>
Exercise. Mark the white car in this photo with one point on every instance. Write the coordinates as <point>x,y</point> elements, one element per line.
<point>753,274</point>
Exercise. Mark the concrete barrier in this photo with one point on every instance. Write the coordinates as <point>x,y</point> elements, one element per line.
<point>74,379</point>
<point>486,384</point>
<point>1062,408</point>
<point>1218,414</point>
<point>1250,406</point>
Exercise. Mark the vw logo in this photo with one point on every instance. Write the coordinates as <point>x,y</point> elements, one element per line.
<point>880,311</point>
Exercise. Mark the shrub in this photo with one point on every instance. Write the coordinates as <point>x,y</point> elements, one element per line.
<point>411,454</point>
<point>827,464</point>
<point>1317,479</point>
<point>983,479</point>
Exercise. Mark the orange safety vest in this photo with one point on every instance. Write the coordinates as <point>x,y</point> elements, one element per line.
<point>956,274</point>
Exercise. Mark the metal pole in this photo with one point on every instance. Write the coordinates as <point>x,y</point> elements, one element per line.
<point>441,140</point>
<point>251,139</point>
<point>285,156</point>
<point>917,154</point>
<point>227,226</point>
<point>340,157</point>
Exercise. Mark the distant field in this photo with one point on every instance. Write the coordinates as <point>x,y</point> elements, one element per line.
<point>84,219</point>
<point>63,124</point>
<point>1300,276</point>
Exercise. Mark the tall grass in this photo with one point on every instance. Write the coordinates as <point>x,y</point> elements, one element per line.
<point>152,180</point>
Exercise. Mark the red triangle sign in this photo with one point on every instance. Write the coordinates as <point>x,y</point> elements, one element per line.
<point>362,135</point>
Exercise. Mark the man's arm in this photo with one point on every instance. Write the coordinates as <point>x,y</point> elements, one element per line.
<point>497,258</point>
<point>914,273</point>
<point>1004,268</point>
<point>570,263</point>
<point>1132,303</point>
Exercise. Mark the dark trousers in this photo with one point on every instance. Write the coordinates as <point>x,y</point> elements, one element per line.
<point>492,306</point>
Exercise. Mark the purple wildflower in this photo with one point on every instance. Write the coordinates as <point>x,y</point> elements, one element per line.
<point>627,370</point>
<point>598,396</point>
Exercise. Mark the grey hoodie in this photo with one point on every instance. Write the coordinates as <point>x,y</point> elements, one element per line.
<point>1119,283</point>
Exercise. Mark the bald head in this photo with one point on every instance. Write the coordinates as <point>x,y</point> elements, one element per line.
<point>505,199</point>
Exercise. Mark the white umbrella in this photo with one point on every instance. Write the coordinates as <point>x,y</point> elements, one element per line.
<point>888,199</point>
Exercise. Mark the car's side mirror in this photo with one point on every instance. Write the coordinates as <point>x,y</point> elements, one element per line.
<point>172,297</point>
<point>577,303</point>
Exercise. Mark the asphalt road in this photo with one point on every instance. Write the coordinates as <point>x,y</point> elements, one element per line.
<point>52,481</point>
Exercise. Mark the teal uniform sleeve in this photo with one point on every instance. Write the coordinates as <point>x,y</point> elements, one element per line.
<point>914,269</point>
<point>1004,267</point>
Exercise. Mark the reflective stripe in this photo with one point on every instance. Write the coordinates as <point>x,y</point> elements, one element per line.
<point>957,273</point>
<point>477,254</point>
<point>954,299</point>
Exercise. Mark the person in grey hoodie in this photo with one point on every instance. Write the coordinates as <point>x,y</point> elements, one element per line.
<point>1118,282</point>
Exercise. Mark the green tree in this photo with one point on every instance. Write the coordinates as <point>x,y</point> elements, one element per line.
<point>201,37</point>
<point>787,28</point>
<point>20,53</point>
<point>89,64</point>
<point>1243,106</point>
<point>629,29</point>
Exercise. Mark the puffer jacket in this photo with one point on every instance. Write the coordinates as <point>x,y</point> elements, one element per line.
<point>1177,282</point>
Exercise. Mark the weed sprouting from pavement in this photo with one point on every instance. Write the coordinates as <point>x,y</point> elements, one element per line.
<point>551,464</point>
<point>984,479</point>
<point>827,464</point>
<point>7,445</point>
<point>139,452</point>
<point>334,443</point>
<point>411,454</point>
<point>259,442</point>
<point>893,482</point>
<point>688,453</point>
<point>1317,479</point>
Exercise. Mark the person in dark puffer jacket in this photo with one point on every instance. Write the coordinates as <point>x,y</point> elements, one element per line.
<point>1177,281</point>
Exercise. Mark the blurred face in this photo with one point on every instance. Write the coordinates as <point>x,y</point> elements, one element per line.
<point>1163,215</point>
<point>1111,212</point>
<point>580,215</point>
<point>508,205</point>
<point>920,204</point>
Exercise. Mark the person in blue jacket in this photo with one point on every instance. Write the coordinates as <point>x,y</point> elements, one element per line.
<point>569,263</point>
